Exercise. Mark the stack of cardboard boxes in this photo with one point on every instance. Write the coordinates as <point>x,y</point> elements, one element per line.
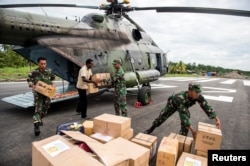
<point>171,148</point>
<point>118,151</point>
<point>122,149</point>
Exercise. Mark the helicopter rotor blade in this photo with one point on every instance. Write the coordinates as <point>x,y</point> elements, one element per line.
<point>47,5</point>
<point>233,12</point>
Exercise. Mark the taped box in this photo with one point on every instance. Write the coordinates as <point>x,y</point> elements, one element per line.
<point>99,77</point>
<point>188,159</point>
<point>92,88</point>
<point>208,137</point>
<point>45,89</point>
<point>112,125</point>
<point>148,141</point>
<point>74,148</point>
<point>185,143</point>
<point>167,152</point>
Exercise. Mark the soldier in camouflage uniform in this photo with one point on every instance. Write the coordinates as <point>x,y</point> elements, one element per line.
<point>42,103</point>
<point>120,89</point>
<point>181,102</point>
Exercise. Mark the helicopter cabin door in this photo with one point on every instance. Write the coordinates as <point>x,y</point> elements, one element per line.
<point>154,61</point>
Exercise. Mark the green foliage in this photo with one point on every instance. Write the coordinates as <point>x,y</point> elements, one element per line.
<point>181,68</point>
<point>9,58</point>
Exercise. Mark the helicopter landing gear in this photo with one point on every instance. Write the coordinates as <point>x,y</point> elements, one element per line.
<point>144,95</point>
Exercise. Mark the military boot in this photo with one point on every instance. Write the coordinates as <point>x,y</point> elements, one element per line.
<point>36,129</point>
<point>150,130</point>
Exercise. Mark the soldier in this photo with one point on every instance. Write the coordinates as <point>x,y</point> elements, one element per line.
<point>42,103</point>
<point>181,102</point>
<point>120,89</point>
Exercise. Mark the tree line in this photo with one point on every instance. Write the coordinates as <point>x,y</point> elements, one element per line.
<point>193,68</point>
<point>9,58</point>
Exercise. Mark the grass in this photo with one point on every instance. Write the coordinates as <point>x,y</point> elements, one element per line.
<point>9,74</point>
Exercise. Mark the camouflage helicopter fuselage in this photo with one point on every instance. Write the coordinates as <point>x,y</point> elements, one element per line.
<point>68,43</point>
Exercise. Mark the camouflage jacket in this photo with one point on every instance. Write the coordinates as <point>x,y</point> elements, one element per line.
<point>119,82</point>
<point>183,102</point>
<point>34,76</point>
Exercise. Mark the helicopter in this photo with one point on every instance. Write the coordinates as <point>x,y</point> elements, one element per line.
<point>102,37</point>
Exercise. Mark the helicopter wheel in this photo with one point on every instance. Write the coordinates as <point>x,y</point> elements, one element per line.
<point>144,95</point>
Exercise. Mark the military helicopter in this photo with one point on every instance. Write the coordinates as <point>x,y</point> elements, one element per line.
<point>102,37</point>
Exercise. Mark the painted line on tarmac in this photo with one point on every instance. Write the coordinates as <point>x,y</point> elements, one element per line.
<point>219,98</point>
<point>217,90</point>
<point>246,82</point>
<point>230,81</point>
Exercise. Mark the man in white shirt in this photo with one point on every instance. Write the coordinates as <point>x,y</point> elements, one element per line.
<point>84,77</point>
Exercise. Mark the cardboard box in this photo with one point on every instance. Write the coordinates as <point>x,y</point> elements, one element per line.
<point>92,88</point>
<point>207,138</point>
<point>100,76</point>
<point>63,150</point>
<point>138,155</point>
<point>128,134</point>
<point>188,159</point>
<point>45,89</point>
<point>201,153</point>
<point>185,143</point>
<point>167,152</point>
<point>148,141</point>
<point>102,138</point>
<point>88,127</point>
<point>57,151</point>
<point>112,125</point>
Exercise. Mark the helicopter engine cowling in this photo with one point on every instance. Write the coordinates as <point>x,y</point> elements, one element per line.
<point>143,77</point>
<point>147,76</point>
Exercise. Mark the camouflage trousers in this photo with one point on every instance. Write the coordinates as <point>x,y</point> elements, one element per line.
<point>120,105</point>
<point>168,111</point>
<point>42,104</point>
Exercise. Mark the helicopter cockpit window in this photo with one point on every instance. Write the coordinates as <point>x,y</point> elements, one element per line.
<point>136,34</point>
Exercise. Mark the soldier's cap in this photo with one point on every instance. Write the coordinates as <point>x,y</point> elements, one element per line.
<point>117,61</point>
<point>194,86</point>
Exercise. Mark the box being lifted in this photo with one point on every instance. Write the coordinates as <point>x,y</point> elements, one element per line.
<point>45,89</point>
<point>208,137</point>
<point>102,76</point>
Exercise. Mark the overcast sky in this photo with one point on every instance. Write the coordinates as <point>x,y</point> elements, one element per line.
<point>216,40</point>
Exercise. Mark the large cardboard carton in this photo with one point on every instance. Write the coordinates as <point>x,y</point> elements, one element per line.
<point>57,151</point>
<point>98,77</point>
<point>148,141</point>
<point>64,150</point>
<point>208,137</point>
<point>188,159</point>
<point>185,143</point>
<point>128,134</point>
<point>112,125</point>
<point>167,152</point>
<point>92,88</point>
<point>138,155</point>
<point>45,89</point>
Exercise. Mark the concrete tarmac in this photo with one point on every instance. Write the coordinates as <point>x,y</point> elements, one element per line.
<point>228,97</point>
